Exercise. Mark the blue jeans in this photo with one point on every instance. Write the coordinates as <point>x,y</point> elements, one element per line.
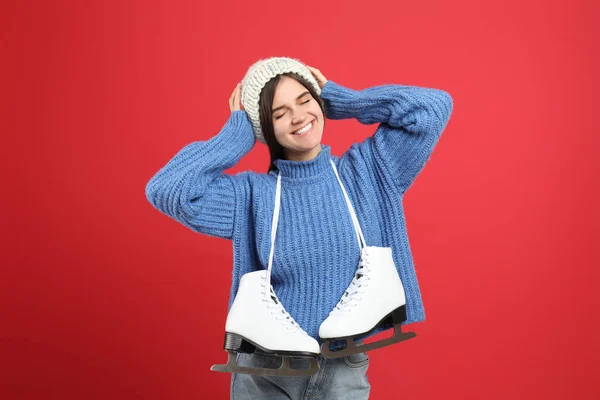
<point>338,378</point>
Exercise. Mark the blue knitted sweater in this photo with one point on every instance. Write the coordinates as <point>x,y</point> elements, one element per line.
<point>316,250</point>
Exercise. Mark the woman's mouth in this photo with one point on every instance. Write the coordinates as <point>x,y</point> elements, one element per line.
<point>305,130</point>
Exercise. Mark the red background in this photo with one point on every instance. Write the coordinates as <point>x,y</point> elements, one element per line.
<point>103,297</point>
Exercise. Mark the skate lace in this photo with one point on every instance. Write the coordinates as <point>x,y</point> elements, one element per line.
<point>277,309</point>
<point>357,287</point>
<point>361,278</point>
<point>269,296</point>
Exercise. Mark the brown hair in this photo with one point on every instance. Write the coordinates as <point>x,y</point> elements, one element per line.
<point>265,105</point>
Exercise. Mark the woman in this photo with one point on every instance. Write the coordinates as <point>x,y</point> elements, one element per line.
<point>284,104</point>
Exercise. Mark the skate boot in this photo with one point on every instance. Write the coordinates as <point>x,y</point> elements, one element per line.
<point>374,298</point>
<point>258,320</point>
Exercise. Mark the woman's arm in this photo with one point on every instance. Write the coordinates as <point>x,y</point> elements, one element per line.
<point>411,121</point>
<point>192,188</point>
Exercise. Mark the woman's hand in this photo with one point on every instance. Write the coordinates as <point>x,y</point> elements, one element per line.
<point>235,102</point>
<point>321,80</point>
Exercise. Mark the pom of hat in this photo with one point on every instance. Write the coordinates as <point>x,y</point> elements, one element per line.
<point>257,77</point>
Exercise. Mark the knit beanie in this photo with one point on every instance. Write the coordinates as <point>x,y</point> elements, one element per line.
<point>257,77</point>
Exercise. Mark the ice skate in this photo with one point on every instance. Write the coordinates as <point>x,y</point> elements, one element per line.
<point>258,320</point>
<point>374,298</point>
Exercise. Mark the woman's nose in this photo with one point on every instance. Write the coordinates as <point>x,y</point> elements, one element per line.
<point>297,119</point>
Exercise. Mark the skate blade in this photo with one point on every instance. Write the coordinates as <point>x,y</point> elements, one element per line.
<point>284,369</point>
<point>353,348</point>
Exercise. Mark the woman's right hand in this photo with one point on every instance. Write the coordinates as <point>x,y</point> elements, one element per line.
<point>235,101</point>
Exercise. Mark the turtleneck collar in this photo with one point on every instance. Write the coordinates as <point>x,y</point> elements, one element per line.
<point>305,169</point>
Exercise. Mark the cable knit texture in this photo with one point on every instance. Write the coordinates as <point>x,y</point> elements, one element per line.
<point>316,250</point>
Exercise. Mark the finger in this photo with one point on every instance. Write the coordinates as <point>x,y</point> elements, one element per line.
<point>316,73</point>
<point>241,105</point>
<point>236,100</point>
<point>232,97</point>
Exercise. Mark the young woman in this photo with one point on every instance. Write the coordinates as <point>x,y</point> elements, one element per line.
<point>283,103</point>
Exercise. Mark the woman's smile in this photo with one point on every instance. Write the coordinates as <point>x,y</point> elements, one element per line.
<point>305,130</point>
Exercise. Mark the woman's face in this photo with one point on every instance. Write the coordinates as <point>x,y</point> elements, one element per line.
<point>297,120</point>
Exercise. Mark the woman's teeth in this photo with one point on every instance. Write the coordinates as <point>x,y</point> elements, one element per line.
<point>303,130</point>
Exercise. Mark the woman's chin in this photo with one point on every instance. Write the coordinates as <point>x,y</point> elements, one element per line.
<point>310,142</point>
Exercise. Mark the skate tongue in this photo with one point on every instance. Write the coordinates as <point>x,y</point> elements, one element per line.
<point>274,296</point>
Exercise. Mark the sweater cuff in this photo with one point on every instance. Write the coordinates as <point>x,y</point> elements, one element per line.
<point>238,125</point>
<point>235,139</point>
<point>340,102</point>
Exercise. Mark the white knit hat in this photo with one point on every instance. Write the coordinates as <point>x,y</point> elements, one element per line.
<point>257,77</point>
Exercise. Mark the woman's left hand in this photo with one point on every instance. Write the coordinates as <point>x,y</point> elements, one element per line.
<point>321,80</point>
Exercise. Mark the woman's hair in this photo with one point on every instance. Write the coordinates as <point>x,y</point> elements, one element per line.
<point>265,105</point>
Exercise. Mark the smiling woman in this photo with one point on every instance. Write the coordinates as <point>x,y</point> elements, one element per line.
<point>295,282</point>
<point>292,118</point>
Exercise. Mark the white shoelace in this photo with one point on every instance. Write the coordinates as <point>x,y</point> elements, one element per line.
<point>361,278</point>
<point>278,310</point>
<point>357,287</point>
<point>270,297</point>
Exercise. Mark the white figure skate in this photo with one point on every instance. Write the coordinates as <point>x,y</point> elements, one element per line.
<point>374,298</point>
<point>258,320</point>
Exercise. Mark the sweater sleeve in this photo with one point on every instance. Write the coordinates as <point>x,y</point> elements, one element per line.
<point>411,120</point>
<point>192,188</point>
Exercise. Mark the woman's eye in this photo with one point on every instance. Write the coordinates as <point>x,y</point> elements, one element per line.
<point>281,115</point>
